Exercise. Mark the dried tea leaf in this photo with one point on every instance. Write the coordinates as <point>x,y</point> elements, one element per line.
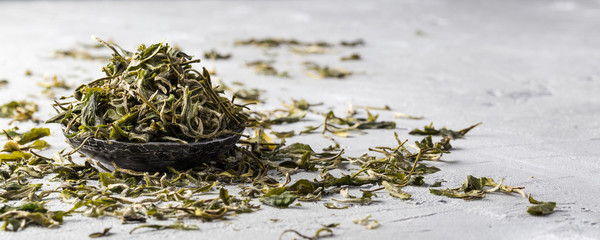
<point>267,42</point>
<point>395,191</point>
<point>265,68</point>
<point>310,49</point>
<point>365,199</point>
<point>540,208</point>
<point>177,226</point>
<point>33,134</point>
<point>318,234</point>
<point>214,55</point>
<point>104,233</point>
<point>430,130</point>
<point>407,116</point>
<point>282,200</point>
<point>18,219</point>
<point>3,83</point>
<point>287,134</point>
<point>331,205</point>
<point>367,222</point>
<point>321,72</point>
<point>474,188</point>
<point>54,82</point>
<point>354,43</point>
<point>18,110</point>
<point>352,57</point>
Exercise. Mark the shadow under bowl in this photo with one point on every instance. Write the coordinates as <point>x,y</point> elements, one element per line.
<point>155,156</point>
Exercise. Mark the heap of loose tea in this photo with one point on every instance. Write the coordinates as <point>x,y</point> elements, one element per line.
<point>153,94</point>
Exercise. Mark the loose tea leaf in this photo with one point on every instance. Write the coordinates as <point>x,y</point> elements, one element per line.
<point>333,206</point>
<point>352,57</point>
<point>354,43</point>
<point>407,116</point>
<point>17,218</point>
<point>18,110</point>
<point>267,42</point>
<point>214,55</point>
<point>367,222</point>
<point>151,95</point>
<point>395,191</point>
<point>318,235</point>
<point>104,233</point>
<point>282,200</point>
<point>177,226</point>
<point>320,72</point>
<point>430,130</point>
<point>540,208</point>
<point>3,83</point>
<point>475,188</point>
<point>32,135</point>
<point>265,68</point>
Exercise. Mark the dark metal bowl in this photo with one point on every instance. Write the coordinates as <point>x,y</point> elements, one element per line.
<point>155,156</point>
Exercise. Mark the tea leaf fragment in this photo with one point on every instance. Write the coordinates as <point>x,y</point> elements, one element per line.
<point>177,226</point>
<point>3,83</point>
<point>353,43</point>
<point>320,72</point>
<point>430,130</point>
<point>331,205</point>
<point>262,67</point>
<point>324,232</point>
<point>367,222</point>
<point>395,191</point>
<point>18,110</point>
<point>104,233</point>
<point>282,200</point>
<point>214,55</point>
<point>352,57</point>
<point>540,208</point>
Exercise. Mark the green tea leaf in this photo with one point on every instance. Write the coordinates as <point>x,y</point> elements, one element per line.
<point>395,191</point>
<point>104,233</point>
<point>282,200</point>
<point>540,208</point>
<point>34,134</point>
<point>177,226</point>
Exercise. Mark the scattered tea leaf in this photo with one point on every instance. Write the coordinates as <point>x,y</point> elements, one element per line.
<point>352,57</point>
<point>430,130</point>
<point>395,191</point>
<point>540,208</point>
<point>104,233</point>
<point>320,72</point>
<point>18,110</point>
<point>214,55</point>
<point>177,226</point>
<point>3,83</point>
<point>367,222</point>
<point>354,43</point>
<point>265,68</point>
<point>282,200</point>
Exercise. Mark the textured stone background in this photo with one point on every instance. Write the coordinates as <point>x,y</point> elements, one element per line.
<point>529,70</point>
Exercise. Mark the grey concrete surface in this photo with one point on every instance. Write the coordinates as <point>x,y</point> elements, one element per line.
<point>529,70</point>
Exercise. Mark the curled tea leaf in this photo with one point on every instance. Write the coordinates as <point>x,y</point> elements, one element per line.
<point>282,200</point>
<point>177,226</point>
<point>540,208</point>
<point>104,233</point>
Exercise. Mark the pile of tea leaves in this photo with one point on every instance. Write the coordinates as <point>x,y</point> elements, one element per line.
<point>155,95</point>
<point>151,95</point>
